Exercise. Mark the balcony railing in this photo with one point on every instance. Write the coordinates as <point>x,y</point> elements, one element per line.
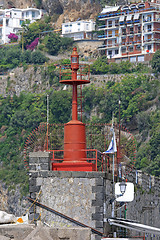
<point>124,12</point>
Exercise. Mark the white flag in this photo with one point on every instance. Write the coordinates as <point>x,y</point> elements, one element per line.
<point>112,146</point>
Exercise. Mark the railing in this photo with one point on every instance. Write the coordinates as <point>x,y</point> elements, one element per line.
<point>92,156</point>
<point>124,12</point>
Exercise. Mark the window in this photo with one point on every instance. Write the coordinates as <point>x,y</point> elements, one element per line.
<point>33,14</point>
<point>130,49</point>
<point>139,29</point>
<point>109,23</point>
<point>21,21</point>
<point>124,31</point>
<point>109,33</point>
<point>123,49</point>
<point>27,14</point>
<point>149,28</point>
<point>140,58</point>
<point>110,42</point>
<point>116,51</point>
<point>149,47</point>
<point>78,24</point>
<point>110,53</point>
<point>138,47</point>
<point>116,33</point>
<point>116,23</point>
<point>131,30</point>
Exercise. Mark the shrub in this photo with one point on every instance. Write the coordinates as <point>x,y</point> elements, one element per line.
<point>26,56</point>
<point>38,58</point>
<point>33,44</point>
<point>13,37</point>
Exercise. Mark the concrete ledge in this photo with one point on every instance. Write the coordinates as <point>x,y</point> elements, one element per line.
<point>39,154</point>
<point>69,174</point>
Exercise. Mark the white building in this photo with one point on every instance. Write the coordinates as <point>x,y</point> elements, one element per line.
<point>78,30</point>
<point>12,19</point>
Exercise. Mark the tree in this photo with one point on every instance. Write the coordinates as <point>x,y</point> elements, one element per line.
<point>155,62</point>
<point>32,31</point>
<point>66,42</point>
<point>100,66</point>
<point>60,107</point>
<point>52,43</point>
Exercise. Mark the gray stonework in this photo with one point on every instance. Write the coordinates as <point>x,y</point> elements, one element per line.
<point>30,232</point>
<point>85,196</point>
<point>101,80</point>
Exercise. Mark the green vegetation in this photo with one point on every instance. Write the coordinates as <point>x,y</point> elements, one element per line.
<point>156,62</point>
<point>101,66</point>
<point>12,56</point>
<point>21,54</point>
<point>19,116</point>
<point>49,41</point>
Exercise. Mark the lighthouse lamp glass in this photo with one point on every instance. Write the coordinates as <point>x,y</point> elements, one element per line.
<point>74,60</point>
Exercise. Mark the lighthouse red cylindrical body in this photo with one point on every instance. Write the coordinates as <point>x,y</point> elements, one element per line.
<point>75,154</point>
<point>74,141</point>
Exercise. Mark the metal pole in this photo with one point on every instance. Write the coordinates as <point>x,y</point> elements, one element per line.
<point>113,205</point>
<point>113,176</point>
<point>47,118</point>
<point>119,145</point>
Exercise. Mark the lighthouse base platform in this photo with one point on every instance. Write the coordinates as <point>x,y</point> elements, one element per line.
<point>74,166</point>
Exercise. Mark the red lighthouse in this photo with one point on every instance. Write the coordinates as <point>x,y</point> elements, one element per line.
<point>75,153</point>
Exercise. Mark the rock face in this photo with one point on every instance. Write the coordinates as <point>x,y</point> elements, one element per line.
<point>18,3</point>
<point>78,9</point>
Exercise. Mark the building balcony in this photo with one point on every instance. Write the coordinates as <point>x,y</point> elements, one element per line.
<point>156,30</point>
<point>102,37</point>
<point>105,27</point>
<point>152,40</point>
<point>103,47</point>
<point>102,27</point>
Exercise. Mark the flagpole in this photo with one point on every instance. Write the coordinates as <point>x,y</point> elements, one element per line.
<point>111,150</point>
<point>113,205</point>
<point>113,173</point>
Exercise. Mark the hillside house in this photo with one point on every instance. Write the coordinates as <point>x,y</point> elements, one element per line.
<point>131,32</point>
<point>11,20</point>
<point>78,30</point>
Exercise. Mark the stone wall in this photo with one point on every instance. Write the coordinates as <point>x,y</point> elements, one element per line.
<point>78,195</point>
<point>101,80</point>
<point>21,79</point>
<point>85,196</point>
<point>30,232</point>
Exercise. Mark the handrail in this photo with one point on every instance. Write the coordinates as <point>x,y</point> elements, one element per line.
<point>94,159</point>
